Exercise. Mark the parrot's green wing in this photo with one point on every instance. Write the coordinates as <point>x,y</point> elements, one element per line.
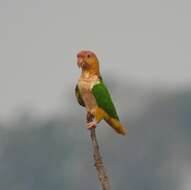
<point>104,100</point>
<point>79,97</point>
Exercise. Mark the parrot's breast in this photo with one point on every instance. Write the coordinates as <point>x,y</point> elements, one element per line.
<point>85,86</point>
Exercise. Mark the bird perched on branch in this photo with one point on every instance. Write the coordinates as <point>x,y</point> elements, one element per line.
<point>92,93</point>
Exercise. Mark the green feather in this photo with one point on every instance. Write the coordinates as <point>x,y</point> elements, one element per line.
<point>104,100</point>
<point>79,97</point>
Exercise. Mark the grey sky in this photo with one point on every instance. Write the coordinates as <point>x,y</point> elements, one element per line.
<point>147,41</point>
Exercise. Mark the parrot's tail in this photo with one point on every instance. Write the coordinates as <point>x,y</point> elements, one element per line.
<point>117,126</point>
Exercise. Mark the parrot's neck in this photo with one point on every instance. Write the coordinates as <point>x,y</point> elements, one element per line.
<point>90,72</point>
<point>87,74</point>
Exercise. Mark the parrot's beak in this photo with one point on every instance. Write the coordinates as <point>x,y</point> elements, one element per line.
<point>80,62</point>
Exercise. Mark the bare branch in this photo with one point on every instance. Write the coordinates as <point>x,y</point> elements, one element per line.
<point>102,175</point>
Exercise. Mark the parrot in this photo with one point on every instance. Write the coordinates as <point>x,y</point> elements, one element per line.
<point>92,93</point>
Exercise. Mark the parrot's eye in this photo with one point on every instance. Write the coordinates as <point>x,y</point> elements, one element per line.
<point>88,55</point>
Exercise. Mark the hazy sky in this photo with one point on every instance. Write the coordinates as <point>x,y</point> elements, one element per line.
<point>146,41</point>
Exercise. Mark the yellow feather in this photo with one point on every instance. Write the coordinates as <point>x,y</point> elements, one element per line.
<point>114,123</point>
<point>117,126</point>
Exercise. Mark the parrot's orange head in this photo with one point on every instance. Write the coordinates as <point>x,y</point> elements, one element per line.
<point>88,62</point>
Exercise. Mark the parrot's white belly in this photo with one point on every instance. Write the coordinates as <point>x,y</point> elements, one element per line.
<point>85,86</point>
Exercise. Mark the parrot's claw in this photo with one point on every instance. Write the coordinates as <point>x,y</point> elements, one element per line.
<point>91,125</point>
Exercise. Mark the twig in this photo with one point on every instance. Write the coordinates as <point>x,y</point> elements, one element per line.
<point>102,175</point>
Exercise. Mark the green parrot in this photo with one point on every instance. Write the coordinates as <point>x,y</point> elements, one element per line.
<point>92,93</point>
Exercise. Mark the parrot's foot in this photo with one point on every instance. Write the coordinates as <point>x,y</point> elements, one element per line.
<point>91,125</point>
